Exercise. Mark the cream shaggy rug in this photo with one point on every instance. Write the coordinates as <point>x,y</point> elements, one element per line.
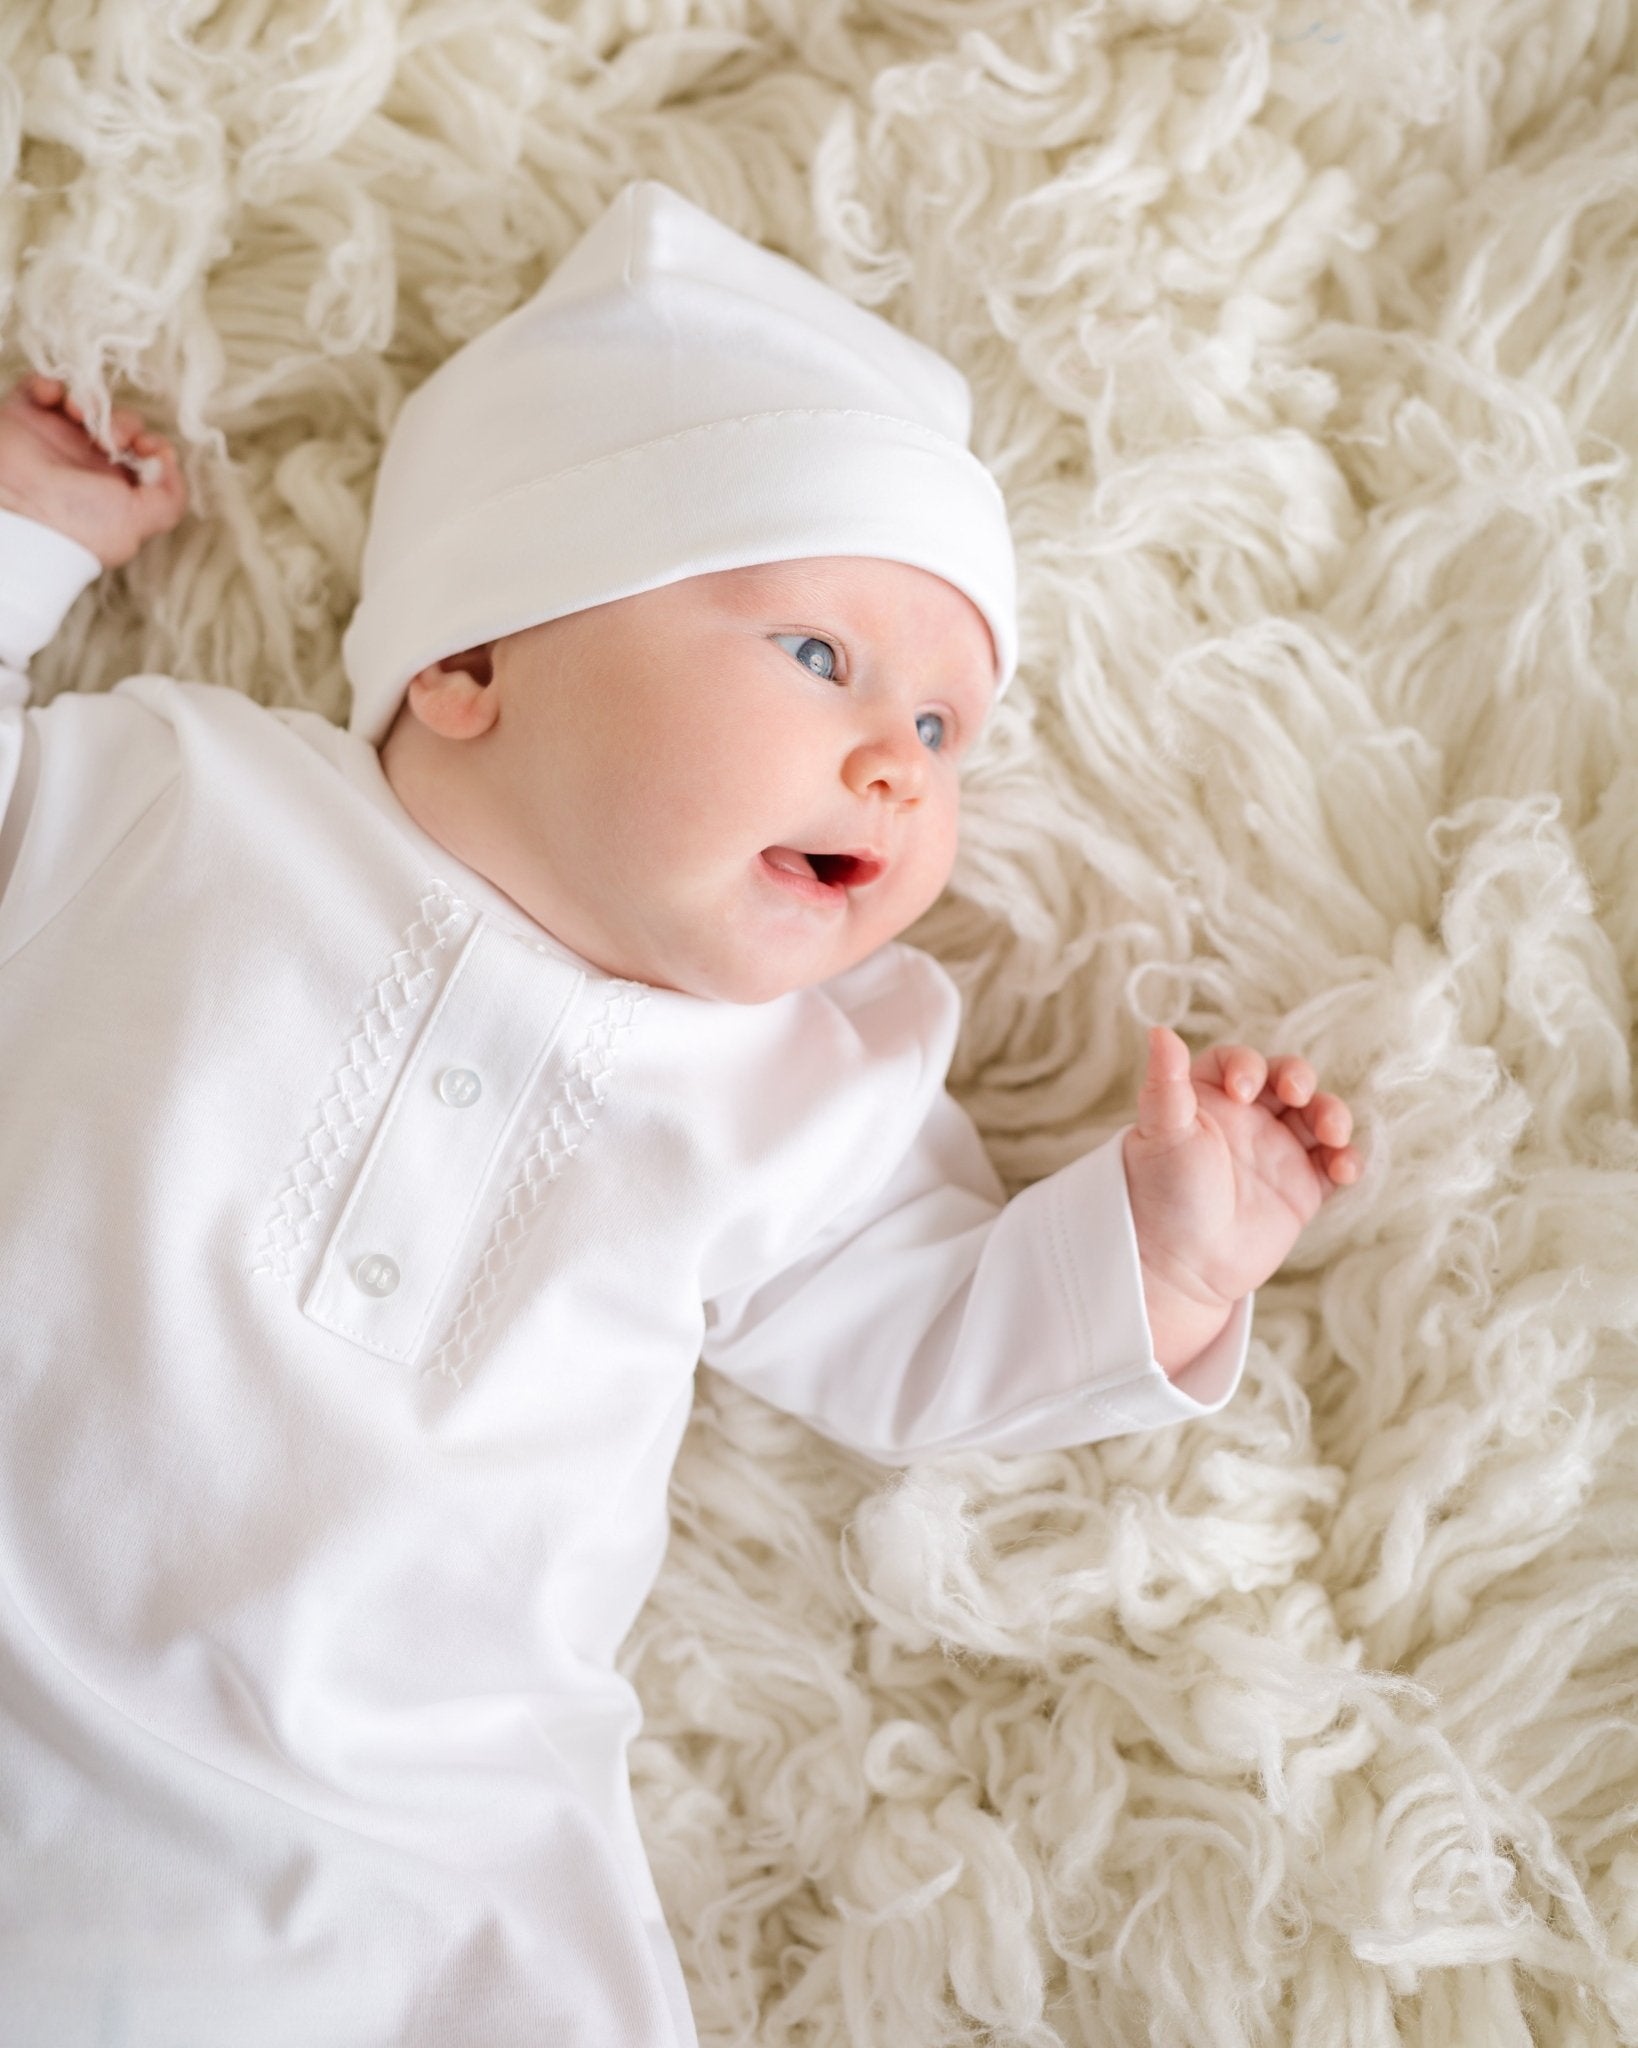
<point>1305,345</point>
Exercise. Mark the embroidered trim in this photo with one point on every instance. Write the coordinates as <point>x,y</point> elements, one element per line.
<point>396,997</point>
<point>569,1116</point>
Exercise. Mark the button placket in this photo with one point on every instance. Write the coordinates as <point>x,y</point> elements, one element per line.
<point>480,1053</point>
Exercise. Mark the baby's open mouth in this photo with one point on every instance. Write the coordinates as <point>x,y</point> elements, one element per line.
<point>835,870</point>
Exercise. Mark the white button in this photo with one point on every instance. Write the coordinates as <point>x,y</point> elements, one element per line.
<point>459,1087</point>
<point>376,1273</point>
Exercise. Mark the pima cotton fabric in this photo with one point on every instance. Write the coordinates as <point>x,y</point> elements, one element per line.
<point>675,400</point>
<point>358,1245</point>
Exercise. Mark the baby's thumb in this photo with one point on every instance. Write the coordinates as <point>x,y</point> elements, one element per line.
<point>1166,1102</point>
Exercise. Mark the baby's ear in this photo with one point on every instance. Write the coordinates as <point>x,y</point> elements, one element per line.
<point>452,698</point>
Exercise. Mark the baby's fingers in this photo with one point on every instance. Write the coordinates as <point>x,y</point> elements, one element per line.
<point>159,494</point>
<point>1321,1120</point>
<point>1166,1102</point>
<point>1239,1070</point>
<point>1331,1120</point>
<point>1322,1127</point>
<point>1291,1081</point>
<point>125,424</point>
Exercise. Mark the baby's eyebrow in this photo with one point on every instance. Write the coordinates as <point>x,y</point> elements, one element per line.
<point>769,581</point>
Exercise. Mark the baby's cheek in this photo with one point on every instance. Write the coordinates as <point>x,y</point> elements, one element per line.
<point>943,847</point>
<point>921,888</point>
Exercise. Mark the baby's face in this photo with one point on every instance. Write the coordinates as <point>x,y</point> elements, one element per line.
<point>735,785</point>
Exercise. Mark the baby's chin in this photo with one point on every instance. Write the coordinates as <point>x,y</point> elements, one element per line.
<point>722,944</point>
<point>752,978</point>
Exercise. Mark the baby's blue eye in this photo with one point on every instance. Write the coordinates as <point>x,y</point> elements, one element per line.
<point>820,657</point>
<point>817,655</point>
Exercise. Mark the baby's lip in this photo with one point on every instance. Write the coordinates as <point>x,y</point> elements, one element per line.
<point>845,868</point>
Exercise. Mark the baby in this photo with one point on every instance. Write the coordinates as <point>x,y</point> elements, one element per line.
<point>393,1118</point>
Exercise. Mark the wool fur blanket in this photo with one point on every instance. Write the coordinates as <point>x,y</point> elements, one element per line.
<point>1304,341</point>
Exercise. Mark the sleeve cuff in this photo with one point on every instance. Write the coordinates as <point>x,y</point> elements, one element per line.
<point>1098,1270</point>
<point>42,572</point>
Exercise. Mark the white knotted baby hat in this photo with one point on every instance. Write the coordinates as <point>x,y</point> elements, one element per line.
<point>673,401</point>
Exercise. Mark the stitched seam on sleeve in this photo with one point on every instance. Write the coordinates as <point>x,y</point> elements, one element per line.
<point>1074,1400</point>
<point>1063,1259</point>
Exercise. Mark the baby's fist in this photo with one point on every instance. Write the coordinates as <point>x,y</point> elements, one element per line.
<point>51,470</point>
<point>1229,1158</point>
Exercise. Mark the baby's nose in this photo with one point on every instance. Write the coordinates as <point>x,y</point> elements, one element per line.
<point>891,765</point>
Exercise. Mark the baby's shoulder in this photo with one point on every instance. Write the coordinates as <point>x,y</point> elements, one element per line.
<point>864,1048</point>
<point>98,760</point>
<point>155,715</point>
<point>900,1002</point>
<point>811,1101</point>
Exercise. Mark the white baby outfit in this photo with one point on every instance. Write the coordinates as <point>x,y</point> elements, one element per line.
<point>357,1244</point>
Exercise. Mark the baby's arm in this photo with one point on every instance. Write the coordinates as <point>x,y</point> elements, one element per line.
<point>1228,1160</point>
<point>933,1315</point>
<point>68,510</point>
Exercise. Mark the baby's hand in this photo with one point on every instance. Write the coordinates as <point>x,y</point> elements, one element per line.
<point>51,470</point>
<point>1227,1162</point>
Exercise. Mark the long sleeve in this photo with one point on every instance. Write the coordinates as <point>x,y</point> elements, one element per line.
<point>41,573</point>
<point>933,1316</point>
